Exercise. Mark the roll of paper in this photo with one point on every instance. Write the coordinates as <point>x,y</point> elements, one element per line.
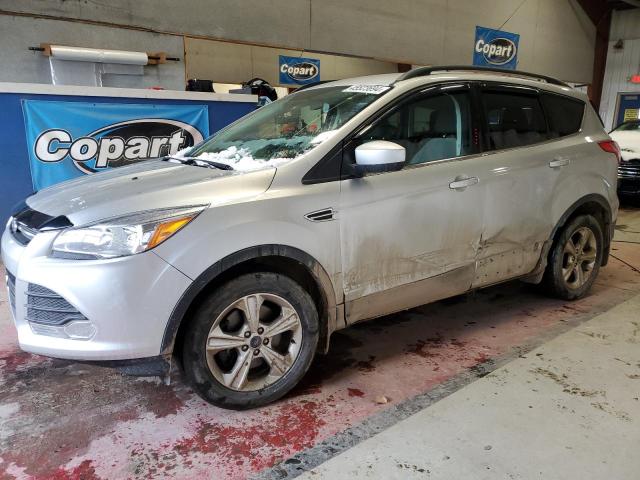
<point>96,55</point>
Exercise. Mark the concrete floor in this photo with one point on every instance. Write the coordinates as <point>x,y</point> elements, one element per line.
<point>568,409</point>
<point>503,383</point>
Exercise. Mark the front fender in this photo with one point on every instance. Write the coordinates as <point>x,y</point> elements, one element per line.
<point>220,232</point>
<point>259,251</point>
<point>222,237</point>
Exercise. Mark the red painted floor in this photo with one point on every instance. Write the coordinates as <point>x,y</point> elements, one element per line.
<point>61,420</point>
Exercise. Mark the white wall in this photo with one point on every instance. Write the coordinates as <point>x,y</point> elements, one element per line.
<point>19,64</point>
<point>556,36</point>
<point>556,39</point>
<point>621,64</point>
<point>234,63</point>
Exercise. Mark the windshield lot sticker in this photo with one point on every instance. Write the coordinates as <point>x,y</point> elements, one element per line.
<point>371,89</point>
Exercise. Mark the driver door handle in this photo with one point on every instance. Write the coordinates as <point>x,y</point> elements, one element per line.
<point>462,183</point>
<point>559,162</point>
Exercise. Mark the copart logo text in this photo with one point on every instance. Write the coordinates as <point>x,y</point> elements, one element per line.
<point>118,144</point>
<point>301,71</point>
<point>498,51</point>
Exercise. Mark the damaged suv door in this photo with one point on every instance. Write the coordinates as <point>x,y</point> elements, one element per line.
<point>411,236</point>
<point>522,169</point>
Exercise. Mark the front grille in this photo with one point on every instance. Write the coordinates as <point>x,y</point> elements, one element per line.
<point>46,307</point>
<point>27,223</point>
<point>630,169</point>
<point>22,233</point>
<point>48,303</point>
<point>11,286</point>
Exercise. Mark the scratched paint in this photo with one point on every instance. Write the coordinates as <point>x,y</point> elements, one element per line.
<point>70,421</point>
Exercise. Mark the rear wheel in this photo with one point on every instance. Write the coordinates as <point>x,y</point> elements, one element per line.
<point>251,341</point>
<point>575,258</point>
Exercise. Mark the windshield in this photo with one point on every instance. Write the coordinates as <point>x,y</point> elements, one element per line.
<point>282,131</point>
<point>628,126</point>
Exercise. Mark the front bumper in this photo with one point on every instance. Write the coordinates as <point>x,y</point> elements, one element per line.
<point>629,186</point>
<point>126,301</point>
<point>629,178</point>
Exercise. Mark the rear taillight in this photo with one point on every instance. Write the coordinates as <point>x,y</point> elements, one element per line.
<point>610,146</point>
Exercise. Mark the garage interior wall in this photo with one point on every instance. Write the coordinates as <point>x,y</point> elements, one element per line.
<point>556,36</point>
<point>621,63</point>
<point>233,62</point>
<point>21,65</point>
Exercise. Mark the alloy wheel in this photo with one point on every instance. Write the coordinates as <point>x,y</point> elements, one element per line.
<point>254,342</point>
<point>579,257</point>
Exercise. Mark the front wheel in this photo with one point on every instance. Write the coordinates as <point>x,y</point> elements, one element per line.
<point>575,258</point>
<point>251,341</point>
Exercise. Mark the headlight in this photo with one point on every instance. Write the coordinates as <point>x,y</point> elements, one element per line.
<point>121,236</point>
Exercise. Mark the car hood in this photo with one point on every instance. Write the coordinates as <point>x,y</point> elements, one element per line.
<point>147,185</point>
<point>629,143</point>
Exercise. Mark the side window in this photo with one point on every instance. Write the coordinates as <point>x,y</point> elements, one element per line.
<point>513,119</point>
<point>564,114</point>
<point>430,128</point>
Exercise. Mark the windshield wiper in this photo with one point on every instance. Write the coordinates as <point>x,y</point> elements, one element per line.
<point>200,162</point>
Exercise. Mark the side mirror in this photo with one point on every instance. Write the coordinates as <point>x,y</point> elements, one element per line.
<point>379,156</point>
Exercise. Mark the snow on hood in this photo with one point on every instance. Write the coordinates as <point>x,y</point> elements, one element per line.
<point>241,159</point>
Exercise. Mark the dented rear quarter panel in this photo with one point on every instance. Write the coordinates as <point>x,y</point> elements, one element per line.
<point>521,195</point>
<point>525,198</point>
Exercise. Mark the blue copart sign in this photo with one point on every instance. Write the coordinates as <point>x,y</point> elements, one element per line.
<point>298,70</point>
<point>495,48</point>
<point>70,139</point>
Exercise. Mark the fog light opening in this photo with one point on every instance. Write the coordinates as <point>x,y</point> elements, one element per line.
<point>80,330</point>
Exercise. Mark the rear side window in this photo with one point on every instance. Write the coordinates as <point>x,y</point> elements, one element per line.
<point>513,119</point>
<point>564,114</point>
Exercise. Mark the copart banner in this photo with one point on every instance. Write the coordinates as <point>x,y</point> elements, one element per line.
<point>70,139</point>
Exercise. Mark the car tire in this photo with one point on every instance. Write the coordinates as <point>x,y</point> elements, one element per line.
<point>248,374</point>
<point>575,258</point>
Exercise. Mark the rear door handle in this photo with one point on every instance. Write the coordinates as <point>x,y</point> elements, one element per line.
<point>559,162</point>
<point>461,183</point>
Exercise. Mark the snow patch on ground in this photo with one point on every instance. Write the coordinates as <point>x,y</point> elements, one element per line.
<point>7,412</point>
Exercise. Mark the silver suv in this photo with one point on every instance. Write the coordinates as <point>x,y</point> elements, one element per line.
<point>342,202</point>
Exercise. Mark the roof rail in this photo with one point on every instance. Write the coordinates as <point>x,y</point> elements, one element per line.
<point>425,71</point>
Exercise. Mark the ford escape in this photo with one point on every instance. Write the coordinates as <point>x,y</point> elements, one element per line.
<point>342,202</point>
